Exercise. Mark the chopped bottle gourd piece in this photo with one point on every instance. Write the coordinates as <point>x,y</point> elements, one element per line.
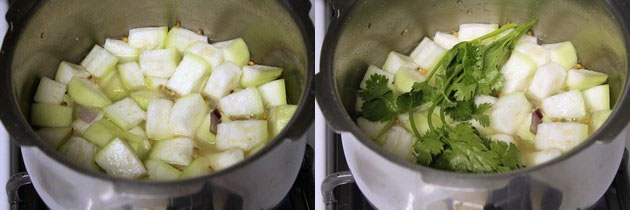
<point>405,78</point>
<point>273,93</point>
<point>540,157</point>
<point>203,132</point>
<point>198,167</point>
<point>86,93</point>
<point>138,143</point>
<point>560,135</point>
<point>235,51</point>
<point>147,38</point>
<point>81,152</point>
<point>562,53</point>
<point>158,113</point>
<point>142,97</point>
<point>188,74</point>
<point>113,86</point>
<point>81,126</point>
<point>50,115</point>
<point>181,38</point>
<point>598,118</point>
<point>242,134</point>
<point>101,132</point>
<point>155,83</point>
<point>254,150</point>
<point>373,129</point>
<point>242,104</point>
<point>582,79</point>
<point>222,160</point>
<point>122,50</point>
<point>398,142</point>
<point>279,117</point>
<point>524,131</point>
<point>131,75</point>
<point>224,78</point>
<point>548,80</point>
<point>518,71</point>
<point>68,101</point>
<point>212,54</point>
<point>99,62</point>
<point>470,31</point>
<point>160,170</point>
<point>177,151</point>
<point>528,38</point>
<point>258,74</point>
<point>186,114</point>
<point>427,54</point>
<point>54,136</point>
<point>125,113</point>
<point>568,105</point>
<point>159,63</point>
<point>118,159</point>
<point>508,112</point>
<point>445,40</point>
<point>597,98</point>
<point>67,70</point>
<point>50,91</point>
<point>396,61</point>
<point>537,53</point>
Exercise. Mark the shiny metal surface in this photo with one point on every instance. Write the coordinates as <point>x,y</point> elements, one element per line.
<point>366,30</point>
<point>41,34</point>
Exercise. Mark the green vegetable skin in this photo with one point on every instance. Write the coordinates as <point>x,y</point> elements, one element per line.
<point>467,70</point>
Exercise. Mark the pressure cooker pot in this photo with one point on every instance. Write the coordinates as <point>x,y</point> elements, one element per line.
<point>43,33</point>
<point>363,32</point>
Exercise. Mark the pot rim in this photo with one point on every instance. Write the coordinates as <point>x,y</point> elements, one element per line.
<point>18,126</point>
<point>332,108</point>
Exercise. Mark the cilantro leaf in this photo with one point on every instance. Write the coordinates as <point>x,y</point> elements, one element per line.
<point>378,99</point>
<point>408,101</point>
<point>507,153</point>
<point>428,146</point>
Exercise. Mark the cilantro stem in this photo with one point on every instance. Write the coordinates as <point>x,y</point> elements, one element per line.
<point>443,118</point>
<point>494,33</point>
<point>413,125</point>
<point>430,114</point>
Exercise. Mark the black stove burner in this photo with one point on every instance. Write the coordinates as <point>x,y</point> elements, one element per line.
<point>300,197</point>
<point>349,196</point>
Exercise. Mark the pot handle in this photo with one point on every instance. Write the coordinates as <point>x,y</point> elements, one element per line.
<point>330,183</point>
<point>13,185</point>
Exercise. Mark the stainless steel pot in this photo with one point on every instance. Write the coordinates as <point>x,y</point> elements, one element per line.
<point>42,34</point>
<point>364,31</point>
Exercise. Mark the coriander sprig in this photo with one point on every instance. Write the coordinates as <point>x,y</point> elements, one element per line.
<point>467,70</point>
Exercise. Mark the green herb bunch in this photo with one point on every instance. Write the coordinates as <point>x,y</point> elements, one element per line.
<point>467,70</point>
